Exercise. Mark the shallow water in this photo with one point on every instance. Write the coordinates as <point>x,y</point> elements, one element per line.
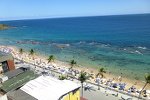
<point>121,44</point>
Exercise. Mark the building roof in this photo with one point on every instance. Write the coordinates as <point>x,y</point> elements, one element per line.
<point>49,88</point>
<point>17,81</point>
<point>5,56</point>
<point>19,95</point>
<point>13,73</point>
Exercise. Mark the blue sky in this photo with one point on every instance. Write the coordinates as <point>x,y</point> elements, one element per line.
<point>24,9</point>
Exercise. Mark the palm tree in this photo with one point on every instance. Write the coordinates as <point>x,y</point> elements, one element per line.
<point>32,52</point>
<point>82,78</point>
<point>147,79</point>
<point>51,58</point>
<point>101,72</point>
<point>72,63</point>
<point>21,51</point>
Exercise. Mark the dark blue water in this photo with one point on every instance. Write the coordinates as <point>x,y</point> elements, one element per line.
<point>120,44</point>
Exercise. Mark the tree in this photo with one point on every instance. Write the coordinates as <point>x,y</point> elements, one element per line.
<point>72,63</point>
<point>101,72</point>
<point>32,52</point>
<point>21,51</point>
<point>62,77</point>
<point>51,58</point>
<point>82,78</point>
<point>147,79</point>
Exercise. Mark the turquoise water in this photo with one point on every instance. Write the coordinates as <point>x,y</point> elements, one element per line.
<point>121,44</point>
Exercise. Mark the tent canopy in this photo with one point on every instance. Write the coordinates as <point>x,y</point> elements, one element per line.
<point>49,88</point>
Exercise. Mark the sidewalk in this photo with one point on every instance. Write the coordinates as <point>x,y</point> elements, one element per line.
<point>96,94</point>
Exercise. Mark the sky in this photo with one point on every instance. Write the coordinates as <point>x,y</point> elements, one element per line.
<point>33,9</point>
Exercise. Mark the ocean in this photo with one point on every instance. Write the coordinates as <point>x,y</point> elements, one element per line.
<point>119,43</point>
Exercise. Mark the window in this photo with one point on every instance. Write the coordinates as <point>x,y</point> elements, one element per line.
<point>5,66</point>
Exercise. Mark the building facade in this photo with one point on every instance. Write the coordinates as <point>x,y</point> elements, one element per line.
<point>72,95</point>
<point>6,62</point>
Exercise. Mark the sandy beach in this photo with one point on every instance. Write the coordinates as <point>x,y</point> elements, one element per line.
<point>130,82</point>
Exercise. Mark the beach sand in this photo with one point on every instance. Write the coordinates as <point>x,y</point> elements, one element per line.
<point>130,82</point>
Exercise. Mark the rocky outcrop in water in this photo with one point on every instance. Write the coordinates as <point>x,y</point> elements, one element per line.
<point>4,27</point>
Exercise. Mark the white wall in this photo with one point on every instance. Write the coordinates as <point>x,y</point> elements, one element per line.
<point>4,97</point>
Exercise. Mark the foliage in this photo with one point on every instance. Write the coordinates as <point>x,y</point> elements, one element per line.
<point>73,62</point>
<point>32,52</point>
<point>21,51</point>
<point>62,77</point>
<point>101,72</point>
<point>147,78</point>
<point>51,58</point>
<point>83,77</point>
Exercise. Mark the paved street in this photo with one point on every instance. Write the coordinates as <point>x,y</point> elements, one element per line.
<point>95,94</point>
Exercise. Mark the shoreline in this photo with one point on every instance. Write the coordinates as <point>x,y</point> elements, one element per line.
<point>130,82</point>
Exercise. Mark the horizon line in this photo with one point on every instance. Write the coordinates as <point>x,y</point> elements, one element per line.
<point>57,17</point>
